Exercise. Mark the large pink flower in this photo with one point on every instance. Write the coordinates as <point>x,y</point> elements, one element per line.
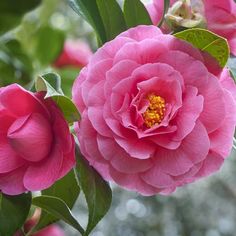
<point>75,53</point>
<point>156,114</point>
<point>36,147</point>
<point>220,16</point>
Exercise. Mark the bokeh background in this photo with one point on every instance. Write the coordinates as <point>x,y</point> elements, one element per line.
<point>204,208</point>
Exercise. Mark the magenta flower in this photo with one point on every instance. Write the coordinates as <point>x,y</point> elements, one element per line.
<point>155,113</point>
<point>36,147</point>
<point>51,230</point>
<point>219,16</point>
<point>75,53</point>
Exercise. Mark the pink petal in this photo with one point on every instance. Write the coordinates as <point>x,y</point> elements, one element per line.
<point>6,120</point>
<point>133,182</point>
<point>43,174</point>
<point>195,75</point>
<point>21,102</point>
<point>76,90</point>
<point>228,83</point>
<point>99,69</point>
<point>188,113</point>
<point>109,50</point>
<point>211,164</point>
<point>179,45</point>
<point>31,137</point>
<point>12,183</point>
<point>9,160</point>
<point>142,32</point>
<point>97,120</point>
<point>157,178</point>
<point>119,159</point>
<point>68,160</point>
<point>143,52</point>
<point>213,113</point>
<point>60,128</point>
<point>136,148</point>
<point>192,150</point>
<point>222,138</point>
<point>51,230</point>
<point>117,73</point>
<point>88,140</point>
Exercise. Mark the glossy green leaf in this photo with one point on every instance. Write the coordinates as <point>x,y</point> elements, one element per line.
<point>15,65</point>
<point>11,12</point>
<point>48,44</point>
<point>53,90</point>
<point>207,41</point>
<point>58,208</point>
<point>68,76</point>
<point>89,10</point>
<point>51,83</point>
<point>96,190</point>
<point>165,10</point>
<point>66,189</point>
<point>13,212</point>
<point>68,108</point>
<point>136,14</point>
<point>112,17</point>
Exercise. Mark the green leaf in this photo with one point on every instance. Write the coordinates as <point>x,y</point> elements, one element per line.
<point>96,190</point>
<point>68,108</point>
<point>165,10</point>
<point>13,212</point>
<point>207,41</point>
<point>112,17</point>
<point>68,76</point>
<point>15,65</point>
<point>11,12</point>
<point>66,189</point>
<point>89,10</point>
<point>51,84</point>
<point>48,44</point>
<point>136,14</point>
<point>58,208</point>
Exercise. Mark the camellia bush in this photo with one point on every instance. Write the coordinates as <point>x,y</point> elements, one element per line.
<point>151,107</point>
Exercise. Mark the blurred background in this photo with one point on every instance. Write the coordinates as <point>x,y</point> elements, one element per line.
<point>204,208</point>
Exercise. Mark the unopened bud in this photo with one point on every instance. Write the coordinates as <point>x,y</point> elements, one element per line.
<point>187,14</point>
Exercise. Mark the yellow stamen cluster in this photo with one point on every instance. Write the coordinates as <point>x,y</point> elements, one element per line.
<point>155,111</point>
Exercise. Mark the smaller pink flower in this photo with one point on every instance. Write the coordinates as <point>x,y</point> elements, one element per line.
<point>51,230</point>
<point>220,16</point>
<point>36,147</point>
<point>75,53</point>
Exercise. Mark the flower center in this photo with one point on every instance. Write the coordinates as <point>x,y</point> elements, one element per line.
<point>155,111</point>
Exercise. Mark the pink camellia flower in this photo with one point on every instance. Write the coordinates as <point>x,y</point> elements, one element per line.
<point>51,230</point>
<point>219,16</point>
<point>36,147</point>
<point>75,53</point>
<point>155,112</point>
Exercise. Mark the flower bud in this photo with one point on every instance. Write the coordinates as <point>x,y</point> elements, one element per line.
<point>187,14</point>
